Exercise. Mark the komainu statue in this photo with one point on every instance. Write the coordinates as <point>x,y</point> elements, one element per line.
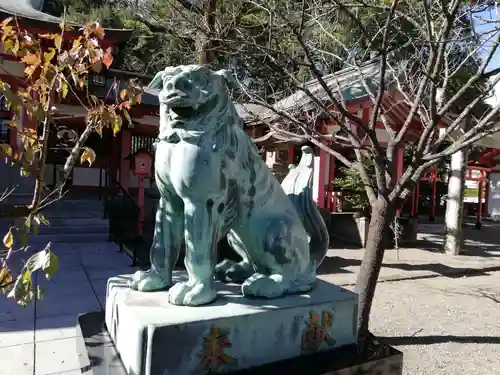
<point>213,183</point>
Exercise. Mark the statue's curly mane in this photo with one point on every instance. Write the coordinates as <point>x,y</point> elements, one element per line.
<point>220,117</point>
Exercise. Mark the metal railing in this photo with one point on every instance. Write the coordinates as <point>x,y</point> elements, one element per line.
<point>122,211</point>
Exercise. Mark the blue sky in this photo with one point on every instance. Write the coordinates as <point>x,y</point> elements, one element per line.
<point>481,27</point>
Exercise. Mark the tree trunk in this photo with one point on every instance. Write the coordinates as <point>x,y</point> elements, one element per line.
<point>455,204</point>
<point>382,213</point>
<point>206,52</point>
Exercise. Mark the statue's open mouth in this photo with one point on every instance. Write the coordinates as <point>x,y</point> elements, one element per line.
<point>184,112</point>
<point>182,108</point>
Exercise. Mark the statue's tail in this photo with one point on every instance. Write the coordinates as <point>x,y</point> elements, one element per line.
<point>298,186</point>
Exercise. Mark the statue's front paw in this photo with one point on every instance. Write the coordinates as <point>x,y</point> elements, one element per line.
<point>192,293</point>
<point>148,281</point>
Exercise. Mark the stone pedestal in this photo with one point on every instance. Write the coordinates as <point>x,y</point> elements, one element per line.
<point>234,333</point>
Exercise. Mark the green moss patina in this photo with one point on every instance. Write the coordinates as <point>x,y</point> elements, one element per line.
<point>213,183</point>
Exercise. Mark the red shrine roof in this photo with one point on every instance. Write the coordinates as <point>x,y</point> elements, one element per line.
<point>29,11</point>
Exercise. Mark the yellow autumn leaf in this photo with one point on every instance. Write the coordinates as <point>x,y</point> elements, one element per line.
<point>5,149</point>
<point>6,21</point>
<point>117,124</point>
<point>88,155</point>
<point>6,32</point>
<point>97,66</point>
<point>64,90</point>
<point>107,59</point>
<point>58,41</point>
<point>48,56</point>
<point>15,49</point>
<point>32,59</point>
<point>6,280</point>
<point>127,116</point>
<point>8,240</point>
<point>8,45</point>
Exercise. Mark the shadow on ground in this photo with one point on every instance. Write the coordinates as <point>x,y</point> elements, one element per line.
<point>484,242</point>
<point>434,339</point>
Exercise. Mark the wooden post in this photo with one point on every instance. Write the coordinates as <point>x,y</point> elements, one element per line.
<point>126,149</point>
<point>140,204</point>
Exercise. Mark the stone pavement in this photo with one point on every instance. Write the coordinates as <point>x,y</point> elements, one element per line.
<point>41,339</point>
<point>424,260</point>
<point>443,326</point>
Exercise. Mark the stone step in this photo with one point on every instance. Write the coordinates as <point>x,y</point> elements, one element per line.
<point>74,214</point>
<point>78,222</point>
<point>70,229</point>
<point>42,239</point>
<point>64,224</point>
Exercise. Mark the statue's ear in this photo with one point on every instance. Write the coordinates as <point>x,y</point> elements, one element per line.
<point>157,82</point>
<point>229,78</point>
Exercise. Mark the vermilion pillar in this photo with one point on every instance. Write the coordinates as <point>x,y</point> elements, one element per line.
<point>291,154</point>
<point>321,178</point>
<point>331,202</point>
<point>126,149</point>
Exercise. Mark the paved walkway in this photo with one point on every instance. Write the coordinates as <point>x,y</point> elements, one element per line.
<point>40,339</point>
<point>425,260</point>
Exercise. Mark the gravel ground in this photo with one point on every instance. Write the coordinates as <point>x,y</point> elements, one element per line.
<point>444,325</point>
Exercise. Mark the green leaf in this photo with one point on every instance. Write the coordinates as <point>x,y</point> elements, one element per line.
<point>36,225</point>
<point>38,260</point>
<point>64,90</point>
<point>42,218</point>
<point>127,116</point>
<point>22,291</point>
<point>58,41</point>
<point>117,124</point>
<point>48,56</point>
<point>24,236</point>
<point>27,223</point>
<point>51,265</point>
